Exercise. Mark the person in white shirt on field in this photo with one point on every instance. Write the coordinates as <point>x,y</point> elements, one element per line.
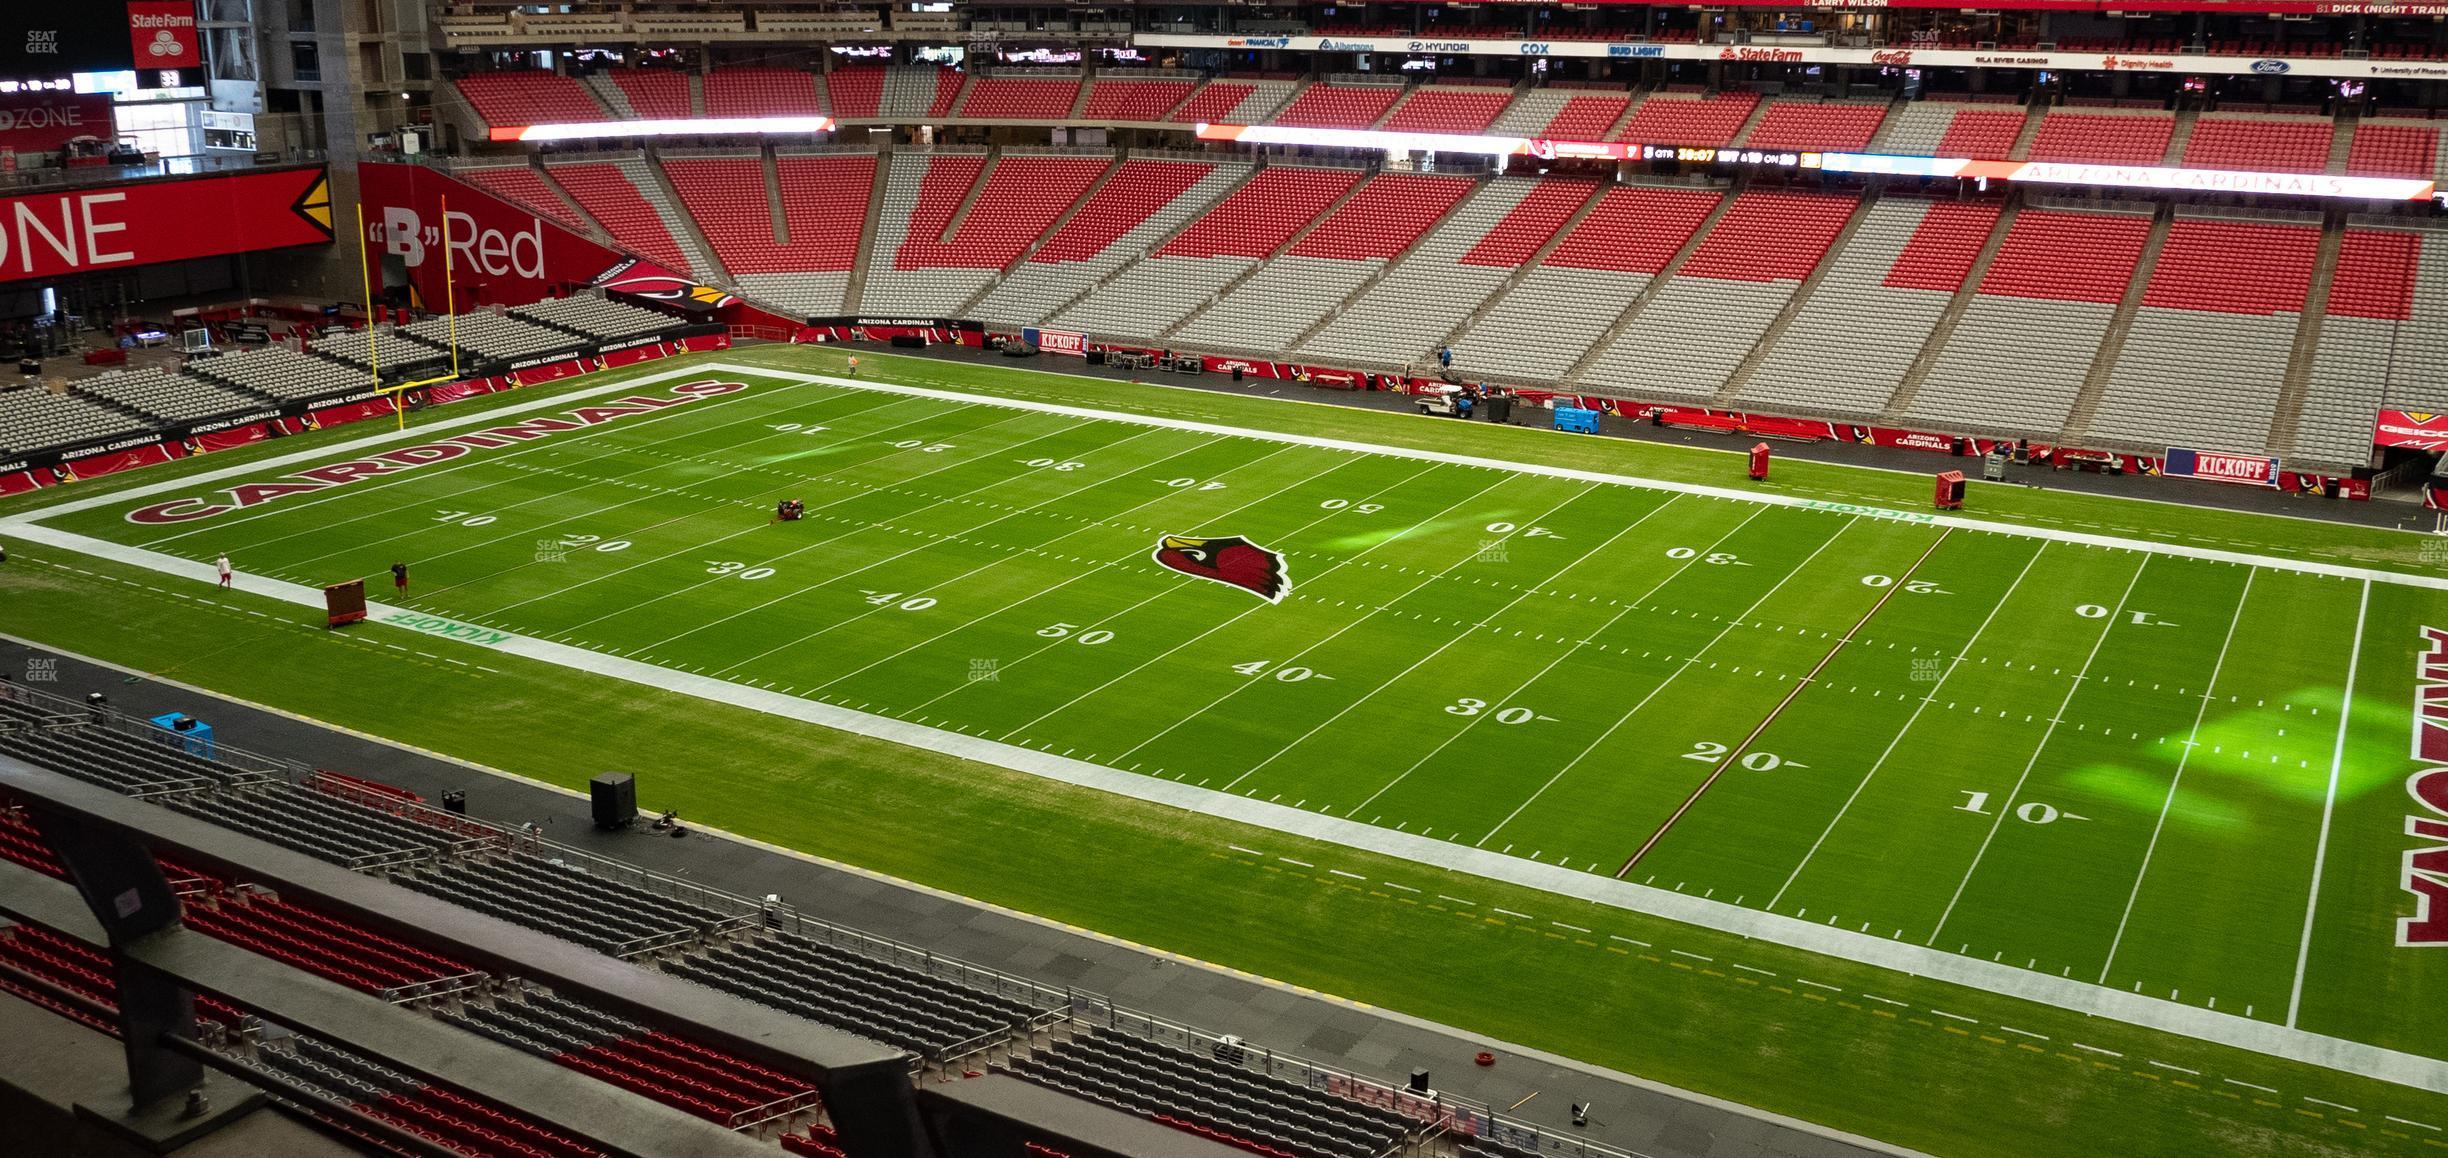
<point>223,563</point>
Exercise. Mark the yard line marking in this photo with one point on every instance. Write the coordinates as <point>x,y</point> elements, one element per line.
<point>1087,572</point>
<point>1289,860</point>
<point>1457,900</point>
<point>999,560</point>
<point>1474,721</point>
<point>1693,956</point>
<point>2107,626</point>
<point>2169,801</point>
<point>1736,752</point>
<point>1511,913</point>
<point>1955,1016</point>
<point>1170,589</point>
<point>1236,618</point>
<point>1562,925</point>
<point>2410,1122</point>
<point>619,479</point>
<point>1620,721</point>
<point>1630,941</point>
<point>1354,876</point>
<point>1765,973</point>
<point>2333,1105</point>
<point>2178,1069</point>
<point>2025,1033</point>
<point>430,432</point>
<point>2320,850</point>
<point>1816,985</point>
<point>2246,1085</point>
<point>963,461</point>
<point>2113,1053</point>
<point>1330,637</point>
<point>1909,721</point>
<point>1392,885</point>
<point>1238,848</point>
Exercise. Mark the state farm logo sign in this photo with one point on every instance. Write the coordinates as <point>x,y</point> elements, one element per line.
<point>163,34</point>
<point>403,233</point>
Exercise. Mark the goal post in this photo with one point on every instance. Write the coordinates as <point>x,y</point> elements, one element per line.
<point>365,261</point>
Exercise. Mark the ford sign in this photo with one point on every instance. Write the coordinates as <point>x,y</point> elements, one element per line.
<point>2269,67</point>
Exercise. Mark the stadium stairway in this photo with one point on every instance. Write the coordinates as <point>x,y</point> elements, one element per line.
<point>1039,291</point>
<point>1521,272</point>
<point>1429,240</point>
<point>1649,292</point>
<point>853,291</point>
<point>1794,304</point>
<point>1235,282</point>
<point>2181,137</point>
<point>2120,327</point>
<point>968,306</point>
<point>773,195</point>
<point>2030,133</point>
<point>1944,329</point>
<point>2286,424</point>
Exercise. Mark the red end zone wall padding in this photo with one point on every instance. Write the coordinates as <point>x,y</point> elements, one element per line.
<point>341,414</point>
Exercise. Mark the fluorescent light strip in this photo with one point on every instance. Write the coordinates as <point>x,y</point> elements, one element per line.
<point>670,127</point>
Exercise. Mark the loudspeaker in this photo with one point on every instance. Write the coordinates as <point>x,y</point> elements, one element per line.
<point>909,341</point>
<point>615,797</point>
<point>1419,1081</point>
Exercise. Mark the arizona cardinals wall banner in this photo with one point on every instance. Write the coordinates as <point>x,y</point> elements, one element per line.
<point>1228,559</point>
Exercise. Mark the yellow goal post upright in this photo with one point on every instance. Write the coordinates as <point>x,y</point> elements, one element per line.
<point>450,315</point>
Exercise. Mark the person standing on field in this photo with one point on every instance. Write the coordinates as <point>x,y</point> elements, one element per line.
<point>223,563</point>
<point>854,365</point>
<point>399,578</point>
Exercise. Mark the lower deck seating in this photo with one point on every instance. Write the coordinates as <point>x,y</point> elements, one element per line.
<point>876,999</point>
<point>1213,1097</point>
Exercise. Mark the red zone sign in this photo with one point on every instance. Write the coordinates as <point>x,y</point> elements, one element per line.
<point>146,222</point>
<point>339,474</point>
<point>2426,864</point>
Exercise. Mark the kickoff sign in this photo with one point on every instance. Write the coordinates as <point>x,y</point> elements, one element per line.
<point>2217,467</point>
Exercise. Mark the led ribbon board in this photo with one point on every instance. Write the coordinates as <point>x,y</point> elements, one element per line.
<point>666,127</point>
<point>2171,180</point>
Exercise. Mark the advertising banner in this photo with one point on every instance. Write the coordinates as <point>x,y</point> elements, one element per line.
<point>41,122</point>
<point>162,34</point>
<point>501,253</point>
<point>1070,342</point>
<point>2249,470</point>
<point>146,222</point>
<point>2411,428</point>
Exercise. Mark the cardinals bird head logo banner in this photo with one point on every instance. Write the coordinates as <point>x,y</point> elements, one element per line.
<point>1227,559</point>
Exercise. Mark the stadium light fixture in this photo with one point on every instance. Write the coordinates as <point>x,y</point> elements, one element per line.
<point>663,127</point>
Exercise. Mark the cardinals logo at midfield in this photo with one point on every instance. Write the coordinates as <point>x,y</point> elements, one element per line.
<point>1227,559</point>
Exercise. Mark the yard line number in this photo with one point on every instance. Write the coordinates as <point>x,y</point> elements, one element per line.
<point>894,600</point>
<point>1091,637</point>
<point>1710,752</point>
<point>1712,558</point>
<point>1516,714</point>
<point>798,427</point>
<point>598,542</point>
<point>1289,673</point>
<point>465,519</point>
<point>2029,812</point>
<point>1911,586</point>
<point>734,569</point>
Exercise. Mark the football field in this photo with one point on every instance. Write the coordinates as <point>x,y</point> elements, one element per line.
<point>2152,768</point>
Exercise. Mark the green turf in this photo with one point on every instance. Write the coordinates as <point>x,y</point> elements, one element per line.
<point>1537,693</point>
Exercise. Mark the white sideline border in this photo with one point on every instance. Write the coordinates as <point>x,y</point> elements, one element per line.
<point>2082,997</point>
